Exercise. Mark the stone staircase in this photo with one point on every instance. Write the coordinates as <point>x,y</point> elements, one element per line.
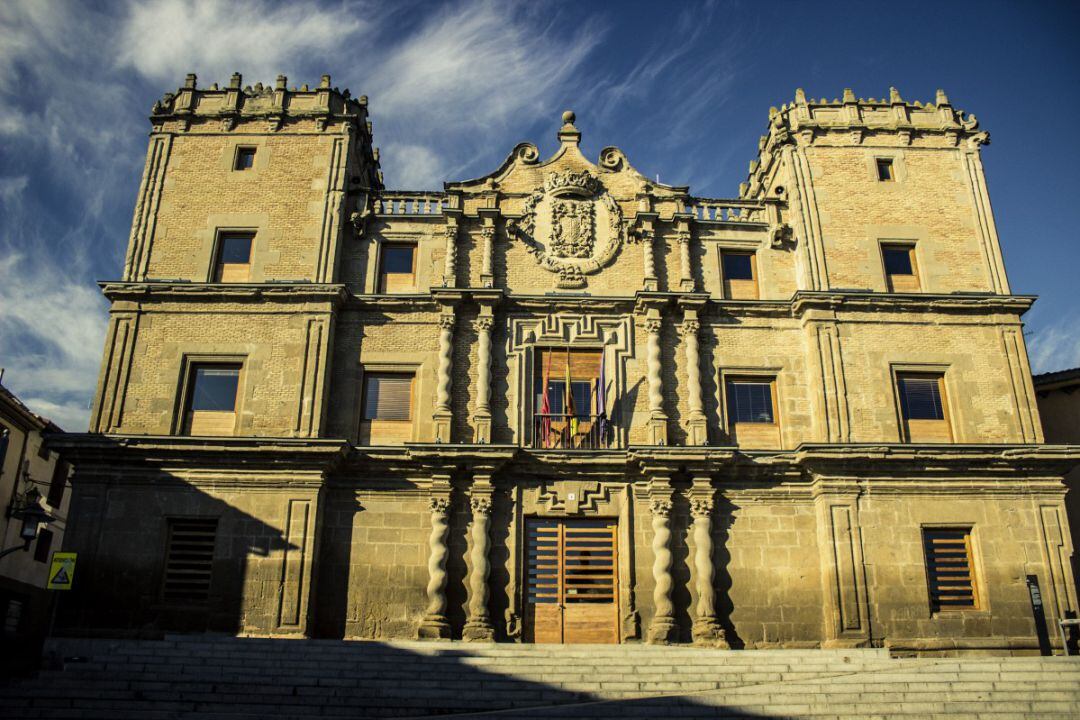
<point>259,679</point>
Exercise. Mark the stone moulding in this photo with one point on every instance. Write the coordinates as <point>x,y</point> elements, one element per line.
<point>216,292</point>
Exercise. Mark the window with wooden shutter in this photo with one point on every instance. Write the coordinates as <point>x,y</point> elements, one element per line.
<point>950,569</point>
<point>901,272</point>
<point>397,268</point>
<point>739,275</point>
<point>752,417</point>
<point>189,559</point>
<point>387,409</point>
<point>923,407</point>
<point>232,263</point>
<point>211,399</point>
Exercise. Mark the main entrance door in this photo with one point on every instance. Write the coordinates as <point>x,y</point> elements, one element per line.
<point>571,581</point>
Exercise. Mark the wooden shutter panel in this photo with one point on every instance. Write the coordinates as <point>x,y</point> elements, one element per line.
<point>189,559</point>
<point>949,569</point>
<point>388,397</point>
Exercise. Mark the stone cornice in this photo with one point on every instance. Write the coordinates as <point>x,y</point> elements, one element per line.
<point>804,300</point>
<point>173,291</point>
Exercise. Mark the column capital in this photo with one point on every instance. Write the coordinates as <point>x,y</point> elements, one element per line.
<point>701,507</point>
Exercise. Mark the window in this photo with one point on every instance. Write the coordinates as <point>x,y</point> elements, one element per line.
<point>885,170</point>
<point>739,270</point>
<point>751,412</point>
<point>4,439</point>
<point>900,268</point>
<point>387,409</point>
<point>58,483</point>
<point>211,399</point>
<point>43,546</point>
<point>189,559</point>
<point>923,407</point>
<point>397,268</point>
<point>950,571</point>
<point>233,261</point>
<point>13,611</point>
<point>554,425</point>
<point>245,158</point>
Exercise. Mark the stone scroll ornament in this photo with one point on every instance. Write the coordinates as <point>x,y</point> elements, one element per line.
<point>573,227</point>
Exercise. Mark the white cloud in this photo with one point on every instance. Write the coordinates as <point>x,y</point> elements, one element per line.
<point>12,187</point>
<point>1055,346</point>
<point>165,39</point>
<point>416,167</point>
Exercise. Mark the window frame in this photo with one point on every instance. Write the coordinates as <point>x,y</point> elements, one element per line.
<point>410,371</point>
<point>381,274</point>
<point>217,266</point>
<point>888,162</point>
<point>940,372</point>
<point>242,150</point>
<point>167,530</point>
<point>758,376</point>
<point>978,595</point>
<point>181,424</point>
<point>909,246</point>
<point>725,289</point>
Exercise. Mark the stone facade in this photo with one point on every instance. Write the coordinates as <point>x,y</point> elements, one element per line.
<point>809,535</point>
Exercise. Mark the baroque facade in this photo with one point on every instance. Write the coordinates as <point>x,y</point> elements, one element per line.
<point>562,402</point>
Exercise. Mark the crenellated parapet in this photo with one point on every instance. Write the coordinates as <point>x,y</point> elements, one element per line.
<point>850,121</point>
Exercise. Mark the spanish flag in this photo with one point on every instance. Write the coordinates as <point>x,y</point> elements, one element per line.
<point>568,403</point>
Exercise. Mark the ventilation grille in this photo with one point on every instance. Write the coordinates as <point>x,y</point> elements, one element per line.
<point>949,569</point>
<point>189,559</point>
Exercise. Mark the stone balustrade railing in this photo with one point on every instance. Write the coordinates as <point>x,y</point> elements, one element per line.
<point>715,210</point>
<point>413,203</point>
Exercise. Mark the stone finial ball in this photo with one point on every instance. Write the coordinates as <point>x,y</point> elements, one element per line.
<point>569,117</point>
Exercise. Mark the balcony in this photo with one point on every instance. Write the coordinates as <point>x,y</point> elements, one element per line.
<point>556,431</point>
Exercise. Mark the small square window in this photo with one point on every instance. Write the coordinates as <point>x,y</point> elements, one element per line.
<point>211,399</point>
<point>387,409</point>
<point>900,270</point>
<point>885,170</point>
<point>245,158</point>
<point>739,271</point>
<point>233,263</point>
<point>397,268</point>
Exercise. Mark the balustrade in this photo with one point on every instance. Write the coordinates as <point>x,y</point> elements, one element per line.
<point>413,203</point>
<point>732,211</point>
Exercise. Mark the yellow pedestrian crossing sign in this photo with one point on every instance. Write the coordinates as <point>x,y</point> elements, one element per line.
<point>62,570</point>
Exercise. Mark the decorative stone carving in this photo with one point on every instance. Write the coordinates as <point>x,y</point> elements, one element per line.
<point>434,624</point>
<point>662,629</point>
<point>781,236</point>
<point>612,158</point>
<point>478,625</point>
<point>573,226</point>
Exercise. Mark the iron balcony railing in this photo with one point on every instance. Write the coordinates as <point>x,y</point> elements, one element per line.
<point>557,431</point>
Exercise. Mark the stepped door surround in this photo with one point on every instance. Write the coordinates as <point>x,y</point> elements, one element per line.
<point>571,583</point>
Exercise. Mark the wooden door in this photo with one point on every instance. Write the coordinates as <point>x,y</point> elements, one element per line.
<point>571,581</point>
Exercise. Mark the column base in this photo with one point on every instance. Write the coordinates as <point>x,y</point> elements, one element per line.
<point>442,428</point>
<point>662,631</point>
<point>707,632</point>
<point>697,432</point>
<point>658,431</point>
<point>686,285</point>
<point>478,631</point>
<point>434,628</point>
<point>482,425</point>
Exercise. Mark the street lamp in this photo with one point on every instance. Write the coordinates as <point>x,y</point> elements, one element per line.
<point>33,515</point>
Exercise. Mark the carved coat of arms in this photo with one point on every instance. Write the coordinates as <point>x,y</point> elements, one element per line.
<point>573,227</point>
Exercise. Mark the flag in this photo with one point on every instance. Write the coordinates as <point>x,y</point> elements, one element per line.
<point>601,399</point>
<point>568,405</point>
<point>545,406</point>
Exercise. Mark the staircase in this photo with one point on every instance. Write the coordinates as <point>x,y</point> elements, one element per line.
<point>259,679</point>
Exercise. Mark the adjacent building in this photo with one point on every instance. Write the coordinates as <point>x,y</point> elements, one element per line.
<point>563,402</point>
<point>30,474</point>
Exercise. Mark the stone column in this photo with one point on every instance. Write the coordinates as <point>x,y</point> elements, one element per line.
<point>662,629</point>
<point>443,415</point>
<point>657,418</point>
<point>652,283</point>
<point>450,267</point>
<point>707,630</point>
<point>698,431</point>
<point>487,275</point>
<point>478,625</point>
<point>482,414</point>
<point>434,624</point>
<point>686,275</point>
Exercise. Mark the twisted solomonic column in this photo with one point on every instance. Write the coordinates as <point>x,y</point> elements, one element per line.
<point>646,235</point>
<point>487,276</point>
<point>686,281</point>
<point>698,425</point>
<point>707,630</point>
<point>478,625</point>
<point>482,414</point>
<point>450,268</point>
<point>442,387</point>
<point>435,624</point>
<point>657,419</point>
<point>662,629</point>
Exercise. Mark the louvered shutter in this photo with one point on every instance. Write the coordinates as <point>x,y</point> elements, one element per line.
<point>388,397</point>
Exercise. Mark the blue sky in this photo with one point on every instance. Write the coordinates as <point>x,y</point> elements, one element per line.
<point>683,88</point>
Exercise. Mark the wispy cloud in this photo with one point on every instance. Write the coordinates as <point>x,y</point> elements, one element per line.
<point>1055,346</point>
